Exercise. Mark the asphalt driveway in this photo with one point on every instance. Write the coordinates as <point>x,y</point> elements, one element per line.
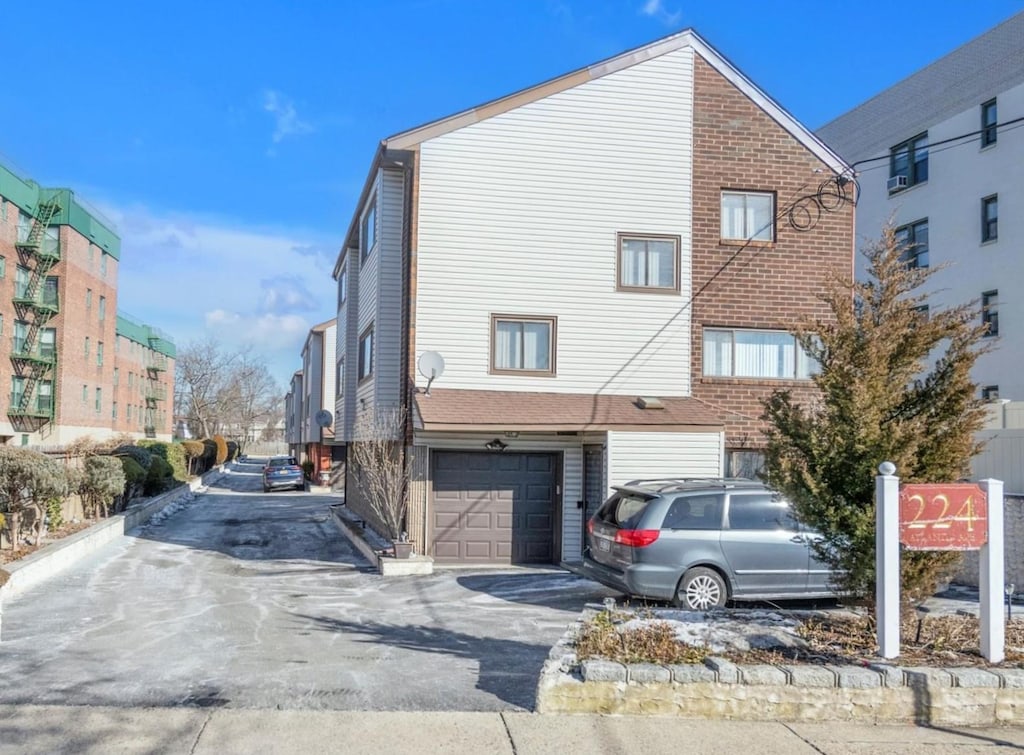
<point>253,600</point>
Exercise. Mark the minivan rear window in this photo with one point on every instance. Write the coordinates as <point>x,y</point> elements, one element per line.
<point>694,512</point>
<point>623,510</point>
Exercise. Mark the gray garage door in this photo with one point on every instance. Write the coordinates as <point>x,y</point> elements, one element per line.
<point>494,507</point>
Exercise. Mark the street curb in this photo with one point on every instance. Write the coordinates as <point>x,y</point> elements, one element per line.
<point>54,557</point>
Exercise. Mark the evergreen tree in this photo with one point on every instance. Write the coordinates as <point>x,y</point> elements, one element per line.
<point>895,385</point>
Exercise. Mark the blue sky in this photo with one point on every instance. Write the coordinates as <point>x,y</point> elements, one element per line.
<point>228,140</point>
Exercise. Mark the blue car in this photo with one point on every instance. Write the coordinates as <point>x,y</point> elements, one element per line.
<point>283,472</point>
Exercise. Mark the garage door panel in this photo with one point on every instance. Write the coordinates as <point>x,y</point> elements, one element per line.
<point>496,508</point>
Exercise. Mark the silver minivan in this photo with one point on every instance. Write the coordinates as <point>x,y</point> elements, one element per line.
<point>699,543</point>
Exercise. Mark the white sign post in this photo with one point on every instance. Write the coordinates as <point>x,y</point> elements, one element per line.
<point>991,579</point>
<point>887,559</point>
<point>953,516</point>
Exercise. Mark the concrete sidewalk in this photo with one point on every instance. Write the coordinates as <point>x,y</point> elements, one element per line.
<point>47,729</point>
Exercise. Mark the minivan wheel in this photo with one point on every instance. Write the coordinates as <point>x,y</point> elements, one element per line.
<point>700,589</point>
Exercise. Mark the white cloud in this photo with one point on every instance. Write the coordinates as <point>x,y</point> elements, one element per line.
<point>656,9</point>
<point>286,119</point>
<point>195,276</point>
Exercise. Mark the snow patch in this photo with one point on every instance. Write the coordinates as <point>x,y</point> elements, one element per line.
<point>722,631</point>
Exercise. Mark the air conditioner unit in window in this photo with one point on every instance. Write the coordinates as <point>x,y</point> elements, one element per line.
<point>896,183</point>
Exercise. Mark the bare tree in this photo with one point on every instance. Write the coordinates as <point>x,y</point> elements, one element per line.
<point>248,398</point>
<point>202,371</point>
<point>381,467</point>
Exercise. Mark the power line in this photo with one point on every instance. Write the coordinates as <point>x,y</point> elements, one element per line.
<point>960,139</point>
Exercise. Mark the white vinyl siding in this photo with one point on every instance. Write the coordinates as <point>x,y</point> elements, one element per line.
<point>521,214</point>
<point>330,368</point>
<point>650,455</point>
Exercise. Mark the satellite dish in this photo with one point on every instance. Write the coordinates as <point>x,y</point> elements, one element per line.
<point>431,366</point>
<point>323,418</point>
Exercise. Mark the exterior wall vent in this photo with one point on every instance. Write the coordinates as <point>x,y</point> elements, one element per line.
<point>649,402</point>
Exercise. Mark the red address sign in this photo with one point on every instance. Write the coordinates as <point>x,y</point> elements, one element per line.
<point>943,517</point>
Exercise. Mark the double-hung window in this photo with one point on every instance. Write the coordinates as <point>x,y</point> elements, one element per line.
<point>769,354</point>
<point>910,160</point>
<point>21,276</point>
<point>366,354</point>
<point>748,216</point>
<point>342,285</point>
<point>523,345</point>
<point>648,263</point>
<point>990,312</point>
<point>913,239</point>
<point>989,123</point>
<point>990,218</point>
<point>340,379</point>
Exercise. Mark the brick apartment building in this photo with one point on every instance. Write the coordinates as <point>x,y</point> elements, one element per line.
<point>74,366</point>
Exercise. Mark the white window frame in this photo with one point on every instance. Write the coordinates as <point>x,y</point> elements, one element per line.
<point>800,368</point>
<point>764,234</point>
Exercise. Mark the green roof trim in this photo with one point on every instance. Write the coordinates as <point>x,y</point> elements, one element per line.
<point>146,335</point>
<point>27,194</point>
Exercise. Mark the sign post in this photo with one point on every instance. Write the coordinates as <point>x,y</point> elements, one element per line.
<point>887,559</point>
<point>936,517</point>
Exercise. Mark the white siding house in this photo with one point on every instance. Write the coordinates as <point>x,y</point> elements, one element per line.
<point>542,246</point>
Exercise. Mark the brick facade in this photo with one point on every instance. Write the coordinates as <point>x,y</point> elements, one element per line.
<point>738,146</point>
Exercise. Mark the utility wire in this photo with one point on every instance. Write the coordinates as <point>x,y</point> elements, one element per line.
<point>950,140</point>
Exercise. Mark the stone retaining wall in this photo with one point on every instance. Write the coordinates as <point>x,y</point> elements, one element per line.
<point>877,693</point>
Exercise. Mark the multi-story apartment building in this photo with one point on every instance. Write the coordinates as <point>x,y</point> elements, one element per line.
<point>65,347</point>
<point>940,155</point>
<point>589,281</point>
<point>293,416</point>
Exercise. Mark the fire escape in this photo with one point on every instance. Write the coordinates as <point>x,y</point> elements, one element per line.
<point>35,359</point>
<point>154,390</point>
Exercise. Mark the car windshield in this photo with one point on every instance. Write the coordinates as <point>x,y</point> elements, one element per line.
<point>285,461</point>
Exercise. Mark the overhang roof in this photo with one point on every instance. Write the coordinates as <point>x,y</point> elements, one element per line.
<point>471,410</point>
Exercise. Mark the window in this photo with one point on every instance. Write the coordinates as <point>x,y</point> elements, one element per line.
<point>103,264</point>
<point>760,512</point>
<point>748,216</point>
<point>343,285</point>
<point>24,227</point>
<point>990,393</point>
<point>990,218</point>
<point>694,512</point>
<point>910,160</point>
<point>131,376</point>
<point>3,267</point>
<point>51,286</point>
<point>17,390</point>
<point>20,334</point>
<point>21,276</point>
<point>87,347</point>
<point>51,240</point>
<point>103,308</point>
<point>44,397</point>
<point>117,373</point>
<point>128,412</point>
<point>990,312</point>
<point>88,299</point>
<point>47,343</point>
<point>91,250</point>
<point>340,384</point>
<point>523,345</point>
<point>99,353</point>
<point>369,234</point>
<point>649,263</point>
<point>755,354</point>
<point>85,394</point>
<point>1,324</point>
<point>366,354</point>
<point>914,240</point>
<point>989,123</point>
<point>743,463</point>
<point>3,210</point>
<point>113,410</point>
<point>99,400</point>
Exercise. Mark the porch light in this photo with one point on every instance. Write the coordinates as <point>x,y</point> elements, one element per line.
<point>496,445</point>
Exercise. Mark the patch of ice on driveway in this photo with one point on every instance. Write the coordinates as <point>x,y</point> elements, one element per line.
<point>724,631</point>
<point>170,510</point>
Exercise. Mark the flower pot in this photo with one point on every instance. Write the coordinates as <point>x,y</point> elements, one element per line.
<point>403,550</point>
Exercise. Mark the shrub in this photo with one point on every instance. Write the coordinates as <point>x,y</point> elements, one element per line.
<point>103,480</point>
<point>222,449</point>
<point>307,469</point>
<point>193,451</point>
<point>142,456</point>
<point>54,514</point>
<point>28,479</point>
<point>232,450</point>
<point>134,476</point>
<point>209,453</point>
<point>159,476</point>
<point>172,453</point>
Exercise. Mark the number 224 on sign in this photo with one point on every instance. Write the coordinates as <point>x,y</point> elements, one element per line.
<point>943,517</point>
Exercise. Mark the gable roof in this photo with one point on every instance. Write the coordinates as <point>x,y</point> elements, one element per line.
<point>396,144</point>
<point>973,73</point>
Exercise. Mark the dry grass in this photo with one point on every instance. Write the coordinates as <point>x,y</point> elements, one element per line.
<point>831,638</point>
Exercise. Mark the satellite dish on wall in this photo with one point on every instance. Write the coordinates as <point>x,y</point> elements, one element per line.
<point>431,366</point>
<point>323,418</point>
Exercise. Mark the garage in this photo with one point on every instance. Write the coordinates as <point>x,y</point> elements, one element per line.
<point>498,508</point>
